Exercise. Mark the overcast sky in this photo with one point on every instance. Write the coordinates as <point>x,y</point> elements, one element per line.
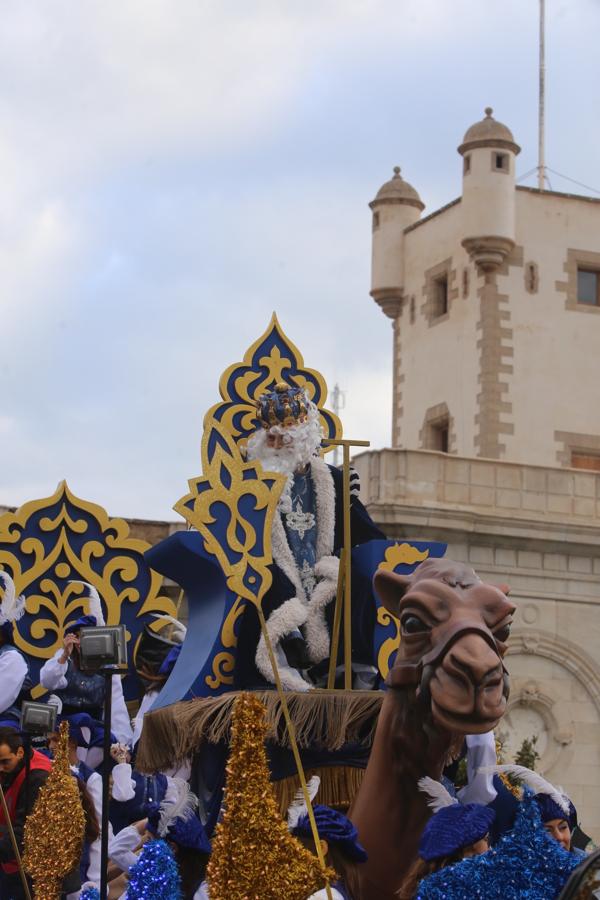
<point>172,171</point>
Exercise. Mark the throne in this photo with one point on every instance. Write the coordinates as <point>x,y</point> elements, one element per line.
<point>222,563</point>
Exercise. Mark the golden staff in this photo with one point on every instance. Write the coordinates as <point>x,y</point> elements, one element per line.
<point>13,841</point>
<point>346,444</point>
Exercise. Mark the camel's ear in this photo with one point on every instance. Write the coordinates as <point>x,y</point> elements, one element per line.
<point>504,588</point>
<point>390,588</point>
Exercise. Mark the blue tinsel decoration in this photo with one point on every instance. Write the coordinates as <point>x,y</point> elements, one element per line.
<point>155,875</point>
<point>526,864</point>
<point>90,894</point>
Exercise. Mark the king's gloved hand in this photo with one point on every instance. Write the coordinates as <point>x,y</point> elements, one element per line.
<point>296,651</point>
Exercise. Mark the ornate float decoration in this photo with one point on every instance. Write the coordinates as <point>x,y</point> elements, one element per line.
<point>49,547</point>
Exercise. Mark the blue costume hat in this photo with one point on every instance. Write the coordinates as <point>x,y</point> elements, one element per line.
<point>284,405</point>
<point>526,864</point>
<point>454,827</point>
<point>549,810</point>
<point>81,622</point>
<point>184,831</point>
<point>83,720</point>
<point>175,820</point>
<point>335,828</point>
<point>170,660</point>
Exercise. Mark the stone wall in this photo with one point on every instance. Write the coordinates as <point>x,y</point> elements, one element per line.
<point>538,530</point>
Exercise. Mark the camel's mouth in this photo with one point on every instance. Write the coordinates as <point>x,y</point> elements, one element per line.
<point>465,723</point>
<point>463,703</point>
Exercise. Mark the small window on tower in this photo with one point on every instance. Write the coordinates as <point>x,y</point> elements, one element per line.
<point>466,164</point>
<point>531,278</point>
<point>500,162</point>
<point>440,436</point>
<point>440,296</point>
<point>585,461</point>
<point>465,282</point>
<point>588,287</point>
<point>412,309</point>
<point>375,221</point>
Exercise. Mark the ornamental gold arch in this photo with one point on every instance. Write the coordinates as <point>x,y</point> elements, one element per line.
<point>272,358</point>
<point>47,544</point>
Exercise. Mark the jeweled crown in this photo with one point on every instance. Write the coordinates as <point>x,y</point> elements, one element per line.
<point>284,405</point>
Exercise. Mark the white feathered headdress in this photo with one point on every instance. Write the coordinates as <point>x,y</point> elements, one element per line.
<point>180,803</point>
<point>297,807</point>
<point>12,607</point>
<point>94,598</point>
<point>438,796</point>
<point>179,630</point>
<point>534,781</point>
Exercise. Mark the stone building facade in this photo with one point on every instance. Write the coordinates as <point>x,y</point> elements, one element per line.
<point>495,302</point>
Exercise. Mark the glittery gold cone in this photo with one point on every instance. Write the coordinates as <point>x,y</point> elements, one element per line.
<point>54,831</point>
<point>254,856</point>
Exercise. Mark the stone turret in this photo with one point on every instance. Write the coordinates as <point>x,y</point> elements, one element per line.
<point>488,197</point>
<point>396,206</point>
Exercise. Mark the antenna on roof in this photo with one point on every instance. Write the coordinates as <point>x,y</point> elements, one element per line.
<point>541,168</point>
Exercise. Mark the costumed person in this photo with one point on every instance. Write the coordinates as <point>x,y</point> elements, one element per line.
<point>84,691</point>
<point>134,794</point>
<point>525,863</point>
<point>455,831</point>
<point>15,683</point>
<point>155,658</point>
<point>22,773</point>
<point>175,824</point>
<point>339,842</point>
<point>81,729</point>
<point>558,815</point>
<point>307,537</point>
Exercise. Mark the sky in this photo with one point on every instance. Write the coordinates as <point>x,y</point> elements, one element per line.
<point>173,172</point>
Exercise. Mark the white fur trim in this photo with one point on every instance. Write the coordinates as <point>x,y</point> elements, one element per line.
<point>322,894</point>
<point>317,634</point>
<point>325,499</point>
<point>283,620</point>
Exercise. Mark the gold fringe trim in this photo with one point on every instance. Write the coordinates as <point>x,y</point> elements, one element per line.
<point>322,719</point>
<point>339,785</point>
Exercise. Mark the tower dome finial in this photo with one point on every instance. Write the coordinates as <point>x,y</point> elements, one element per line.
<point>488,111</point>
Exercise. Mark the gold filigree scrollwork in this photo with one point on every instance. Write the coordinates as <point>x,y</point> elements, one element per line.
<point>48,546</point>
<point>220,505</point>
<point>402,555</point>
<point>223,663</point>
<point>391,644</point>
<point>397,555</point>
<point>271,359</point>
<point>217,505</point>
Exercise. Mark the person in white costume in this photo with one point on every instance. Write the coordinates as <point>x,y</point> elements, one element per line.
<point>82,691</point>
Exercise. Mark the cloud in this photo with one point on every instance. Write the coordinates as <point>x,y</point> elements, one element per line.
<point>174,172</point>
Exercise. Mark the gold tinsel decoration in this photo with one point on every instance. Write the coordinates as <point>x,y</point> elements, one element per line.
<point>254,856</point>
<point>54,831</point>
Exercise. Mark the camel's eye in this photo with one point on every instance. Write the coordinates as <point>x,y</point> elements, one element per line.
<point>412,624</point>
<point>503,634</point>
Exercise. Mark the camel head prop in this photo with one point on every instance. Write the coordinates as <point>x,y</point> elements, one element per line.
<point>448,680</point>
<point>454,630</point>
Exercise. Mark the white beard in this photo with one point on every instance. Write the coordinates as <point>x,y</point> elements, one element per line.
<point>301,444</point>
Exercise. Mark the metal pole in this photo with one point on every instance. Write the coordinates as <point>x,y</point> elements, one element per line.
<point>347,575</point>
<point>15,846</point>
<point>108,676</point>
<point>542,100</point>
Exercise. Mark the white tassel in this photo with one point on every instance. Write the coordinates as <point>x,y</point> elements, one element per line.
<point>181,808</point>
<point>534,781</point>
<point>180,630</point>
<point>94,598</point>
<point>12,607</point>
<point>439,797</point>
<point>297,807</point>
